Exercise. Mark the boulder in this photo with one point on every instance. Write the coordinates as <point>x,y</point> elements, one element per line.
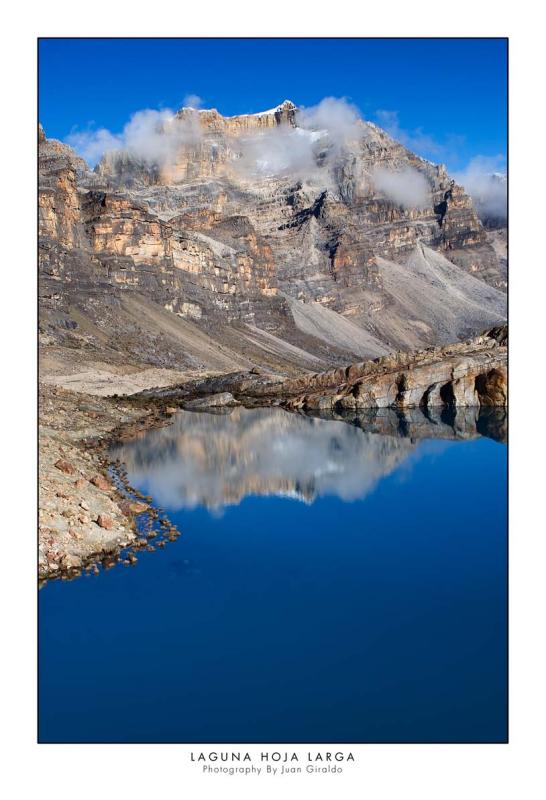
<point>65,466</point>
<point>101,483</point>
<point>221,400</point>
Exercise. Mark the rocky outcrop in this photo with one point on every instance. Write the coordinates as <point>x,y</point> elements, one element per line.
<point>465,374</point>
<point>468,374</point>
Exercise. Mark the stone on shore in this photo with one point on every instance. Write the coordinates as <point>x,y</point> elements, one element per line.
<point>65,466</point>
<point>70,561</point>
<point>221,400</point>
<point>101,483</point>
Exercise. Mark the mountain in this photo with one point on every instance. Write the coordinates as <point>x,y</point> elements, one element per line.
<point>270,239</point>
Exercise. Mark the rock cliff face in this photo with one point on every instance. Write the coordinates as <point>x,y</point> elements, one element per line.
<point>470,374</point>
<point>285,267</point>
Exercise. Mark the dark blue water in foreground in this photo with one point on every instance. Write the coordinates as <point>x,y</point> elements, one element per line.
<point>371,618</point>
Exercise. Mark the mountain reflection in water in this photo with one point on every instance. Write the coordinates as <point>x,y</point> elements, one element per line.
<point>216,460</point>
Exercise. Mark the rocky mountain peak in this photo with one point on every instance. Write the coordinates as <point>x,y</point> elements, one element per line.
<point>210,120</point>
<point>297,249</point>
<point>285,106</point>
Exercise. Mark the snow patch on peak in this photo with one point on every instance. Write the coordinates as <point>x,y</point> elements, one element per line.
<point>286,105</point>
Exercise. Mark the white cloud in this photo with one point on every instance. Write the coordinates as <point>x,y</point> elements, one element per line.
<point>485,181</point>
<point>193,101</point>
<point>339,118</point>
<point>406,187</point>
<point>92,144</point>
<point>326,128</point>
<point>150,136</point>
<point>277,151</point>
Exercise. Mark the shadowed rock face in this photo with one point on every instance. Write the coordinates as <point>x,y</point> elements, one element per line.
<point>314,260</point>
<point>214,460</point>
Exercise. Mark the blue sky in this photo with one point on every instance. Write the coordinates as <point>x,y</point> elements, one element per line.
<point>445,98</point>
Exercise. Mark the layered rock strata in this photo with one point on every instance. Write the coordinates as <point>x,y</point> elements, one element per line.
<point>286,270</point>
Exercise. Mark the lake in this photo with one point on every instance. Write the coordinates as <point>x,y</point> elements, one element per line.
<point>335,581</point>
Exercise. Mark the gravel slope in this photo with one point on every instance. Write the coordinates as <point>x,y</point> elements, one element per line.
<point>433,298</point>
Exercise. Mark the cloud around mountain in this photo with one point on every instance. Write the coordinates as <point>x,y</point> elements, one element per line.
<point>485,181</point>
<point>322,132</point>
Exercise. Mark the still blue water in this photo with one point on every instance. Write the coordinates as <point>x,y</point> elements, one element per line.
<point>329,586</point>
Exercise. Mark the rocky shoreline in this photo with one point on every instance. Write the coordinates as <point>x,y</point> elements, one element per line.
<point>88,514</point>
